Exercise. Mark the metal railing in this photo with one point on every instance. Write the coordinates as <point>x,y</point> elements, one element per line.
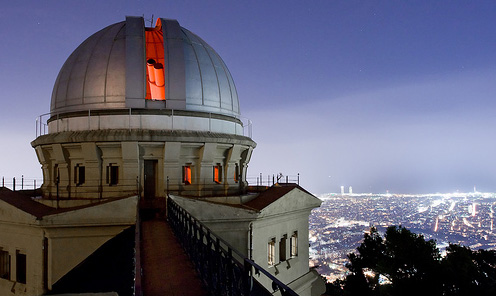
<point>207,184</point>
<point>42,121</point>
<point>23,183</point>
<point>97,186</point>
<point>138,281</point>
<point>223,269</point>
<point>272,179</point>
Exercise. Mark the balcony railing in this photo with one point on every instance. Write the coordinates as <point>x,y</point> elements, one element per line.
<point>272,179</point>
<point>42,121</point>
<point>223,270</point>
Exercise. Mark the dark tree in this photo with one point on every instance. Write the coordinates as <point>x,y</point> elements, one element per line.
<point>412,263</point>
<point>403,263</point>
<point>468,272</point>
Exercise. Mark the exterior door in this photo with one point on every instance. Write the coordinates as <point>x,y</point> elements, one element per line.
<point>150,178</point>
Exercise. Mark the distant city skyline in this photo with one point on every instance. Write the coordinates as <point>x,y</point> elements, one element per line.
<point>378,96</point>
<point>338,225</point>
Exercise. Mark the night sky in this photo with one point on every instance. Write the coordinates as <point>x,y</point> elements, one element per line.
<point>379,95</point>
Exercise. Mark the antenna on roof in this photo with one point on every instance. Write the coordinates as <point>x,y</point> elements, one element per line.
<point>150,20</point>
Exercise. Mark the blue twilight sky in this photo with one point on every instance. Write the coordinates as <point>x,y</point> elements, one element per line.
<point>379,95</point>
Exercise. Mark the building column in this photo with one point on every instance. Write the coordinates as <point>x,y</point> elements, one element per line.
<point>204,172</point>
<point>64,173</point>
<point>131,169</point>
<point>93,170</point>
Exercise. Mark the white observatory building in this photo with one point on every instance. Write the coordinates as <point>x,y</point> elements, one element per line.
<point>139,110</point>
<point>140,116</point>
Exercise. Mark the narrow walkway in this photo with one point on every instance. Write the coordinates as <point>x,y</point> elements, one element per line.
<point>167,270</point>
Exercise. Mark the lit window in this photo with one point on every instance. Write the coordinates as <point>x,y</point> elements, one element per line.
<point>236,173</point>
<point>4,265</point>
<point>272,251</point>
<point>79,174</point>
<point>112,174</point>
<point>293,244</point>
<point>218,173</point>
<point>282,248</point>
<point>187,174</point>
<point>21,267</point>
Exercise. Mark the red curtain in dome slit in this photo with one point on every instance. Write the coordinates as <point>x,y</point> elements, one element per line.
<point>155,63</point>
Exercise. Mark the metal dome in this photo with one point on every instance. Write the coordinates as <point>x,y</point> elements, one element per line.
<point>108,71</point>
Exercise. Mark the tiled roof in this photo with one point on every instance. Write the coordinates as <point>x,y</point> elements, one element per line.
<point>272,194</point>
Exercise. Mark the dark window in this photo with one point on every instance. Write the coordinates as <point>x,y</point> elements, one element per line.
<point>112,174</point>
<point>187,174</point>
<point>21,268</point>
<point>4,265</point>
<point>79,174</point>
<point>236,173</point>
<point>56,175</point>
<point>282,248</point>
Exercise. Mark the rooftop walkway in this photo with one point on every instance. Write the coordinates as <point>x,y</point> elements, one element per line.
<point>167,270</point>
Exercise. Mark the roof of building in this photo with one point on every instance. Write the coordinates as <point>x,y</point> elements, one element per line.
<point>272,194</point>
<point>108,71</point>
<point>25,203</point>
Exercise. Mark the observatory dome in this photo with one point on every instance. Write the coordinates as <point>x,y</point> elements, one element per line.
<point>108,71</point>
<point>146,110</point>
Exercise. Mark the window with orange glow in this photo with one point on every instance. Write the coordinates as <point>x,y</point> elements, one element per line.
<point>187,174</point>
<point>218,173</point>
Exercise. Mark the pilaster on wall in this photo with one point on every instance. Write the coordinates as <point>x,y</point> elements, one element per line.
<point>206,159</point>
<point>45,168</point>
<point>245,159</point>
<point>93,163</point>
<point>172,167</point>
<point>228,172</point>
<point>64,174</point>
<point>131,169</point>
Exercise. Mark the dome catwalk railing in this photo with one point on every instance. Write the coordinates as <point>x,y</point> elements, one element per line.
<point>260,180</point>
<point>22,183</point>
<point>42,121</point>
<point>255,183</point>
<point>223,269</point>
